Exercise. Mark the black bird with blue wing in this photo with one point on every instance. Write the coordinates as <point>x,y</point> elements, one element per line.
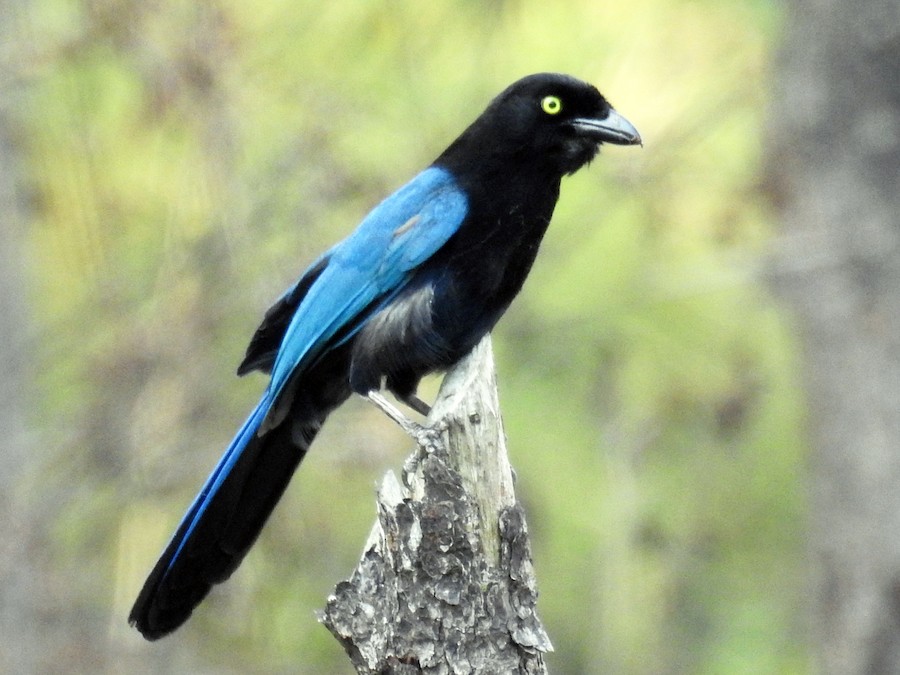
<point>410,292</point>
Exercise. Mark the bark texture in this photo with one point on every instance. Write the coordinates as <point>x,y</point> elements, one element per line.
<point>835,174</point>
<point>446,583</point>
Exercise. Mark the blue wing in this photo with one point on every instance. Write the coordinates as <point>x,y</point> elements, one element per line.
<point>373,263</point>
<point>332,301</point>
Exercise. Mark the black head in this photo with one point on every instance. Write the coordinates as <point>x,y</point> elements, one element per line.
<point>549,120</point>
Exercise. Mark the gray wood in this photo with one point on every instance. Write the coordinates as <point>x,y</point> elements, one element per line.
<point>446,583</point>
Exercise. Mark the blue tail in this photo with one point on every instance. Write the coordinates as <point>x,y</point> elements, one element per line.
<point>227,516</point>
<point>194,515</point>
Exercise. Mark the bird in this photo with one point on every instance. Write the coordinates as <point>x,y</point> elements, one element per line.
<point>426,274</point>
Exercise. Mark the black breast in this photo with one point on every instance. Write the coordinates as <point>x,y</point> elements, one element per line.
<point>457,296</point>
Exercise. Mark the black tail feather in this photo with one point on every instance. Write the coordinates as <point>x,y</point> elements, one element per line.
<point>224,522</point>
<point>222,537</point>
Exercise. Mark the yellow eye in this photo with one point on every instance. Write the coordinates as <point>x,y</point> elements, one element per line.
<point>551,105</point>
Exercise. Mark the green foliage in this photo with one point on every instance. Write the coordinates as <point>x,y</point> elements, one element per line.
<point>190,159</point>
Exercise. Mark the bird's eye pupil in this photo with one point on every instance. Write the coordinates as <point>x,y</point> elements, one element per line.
<point>551,105</point>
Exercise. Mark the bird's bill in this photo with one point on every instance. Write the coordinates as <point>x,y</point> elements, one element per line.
<point>612,129</point>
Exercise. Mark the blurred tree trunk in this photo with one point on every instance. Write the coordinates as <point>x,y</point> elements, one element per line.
<point>17,593</point>
<point>19,648</point>
<point>835,175</point>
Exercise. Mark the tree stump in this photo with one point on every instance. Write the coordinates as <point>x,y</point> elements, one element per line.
<point>446,583</point>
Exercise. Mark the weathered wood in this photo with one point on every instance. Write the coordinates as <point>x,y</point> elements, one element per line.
<point>446,583</point>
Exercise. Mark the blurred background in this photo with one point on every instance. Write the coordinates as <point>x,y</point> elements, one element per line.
<point>700,380</point>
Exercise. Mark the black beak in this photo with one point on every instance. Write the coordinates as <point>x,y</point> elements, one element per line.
<point>611,129</point>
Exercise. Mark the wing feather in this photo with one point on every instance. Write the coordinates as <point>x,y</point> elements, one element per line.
<point>368,268</point>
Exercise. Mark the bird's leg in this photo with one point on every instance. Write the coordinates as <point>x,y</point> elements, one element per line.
<point>412,428</point>
<point>417,404</point>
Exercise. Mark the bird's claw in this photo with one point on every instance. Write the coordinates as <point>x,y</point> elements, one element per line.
<point>423,435</point>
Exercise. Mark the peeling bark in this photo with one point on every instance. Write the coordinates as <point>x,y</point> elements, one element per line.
<point>446,583</point>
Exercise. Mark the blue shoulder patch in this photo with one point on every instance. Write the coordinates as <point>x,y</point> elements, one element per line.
<point>375,261</point>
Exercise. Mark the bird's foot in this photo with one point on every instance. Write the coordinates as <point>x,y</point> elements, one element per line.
<point>422,434</point>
